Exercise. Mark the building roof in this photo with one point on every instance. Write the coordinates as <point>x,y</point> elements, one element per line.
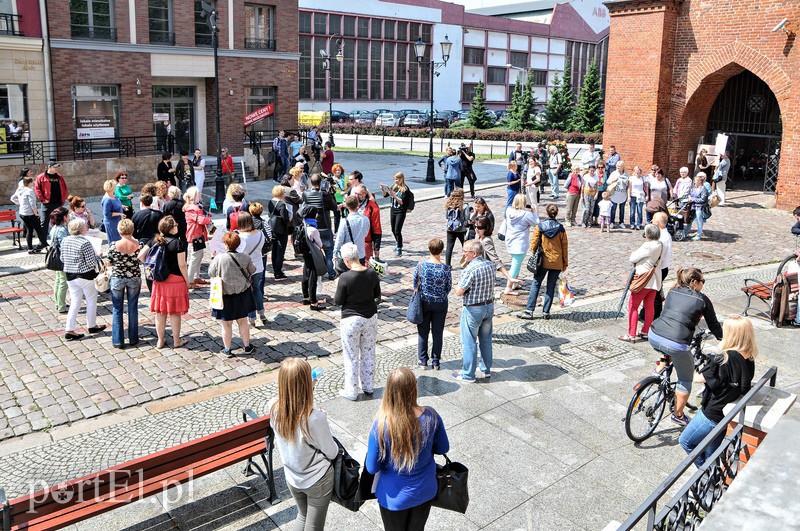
<point>534,7</point>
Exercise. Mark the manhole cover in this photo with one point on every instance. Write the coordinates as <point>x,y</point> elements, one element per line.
<point>706,256</point>
<point>591,356</point>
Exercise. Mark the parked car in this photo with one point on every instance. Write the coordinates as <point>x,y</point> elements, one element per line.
<point>388,119</point>
<point>406,112</point>
<point>340,117</point>
<point>381,111</point>
<point>462,116</point>
<point>356,114</point>
<point>365,118</point>
<point>441,119</point>
<point>415,120</point>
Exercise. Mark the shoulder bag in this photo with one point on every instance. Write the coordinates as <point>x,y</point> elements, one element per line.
<point>640,280</point>
<point>244,273</point>
<point>414,311</point>
<point>52,259</point>
<point>452,491</point>
<point>346,479</point>
<point>537,258</point>
<point>501,232</point>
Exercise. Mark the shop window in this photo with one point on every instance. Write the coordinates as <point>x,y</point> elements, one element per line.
<point>95,109</point>
<point>92,19</point>
<point>14,117</point>
<point>258,97</point>
<point>259,27</point>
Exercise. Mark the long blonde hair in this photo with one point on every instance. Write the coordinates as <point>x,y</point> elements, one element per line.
<point>402,186</point>
<point>295,401</point>
<point>738,334</point>
<point>398,425</point>
<point>456,199</point>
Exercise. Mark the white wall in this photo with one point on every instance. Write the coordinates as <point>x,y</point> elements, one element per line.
<point>519,42</point>
<point>447,87</point>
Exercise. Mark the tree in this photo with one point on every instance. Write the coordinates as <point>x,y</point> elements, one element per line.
<point>588,117</point>
<point>560,105</point>
<point>477,114</point>
<point>520,114</point>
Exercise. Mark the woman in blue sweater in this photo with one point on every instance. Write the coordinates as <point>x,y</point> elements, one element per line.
<point>401,445</point>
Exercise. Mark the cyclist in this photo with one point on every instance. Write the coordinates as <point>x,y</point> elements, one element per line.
<point>671,334</point>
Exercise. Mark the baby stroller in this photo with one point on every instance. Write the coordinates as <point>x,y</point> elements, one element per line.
<point>677,217</point>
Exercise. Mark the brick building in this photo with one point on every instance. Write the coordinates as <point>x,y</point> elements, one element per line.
<point>122,66</point>
<point>703,68</point>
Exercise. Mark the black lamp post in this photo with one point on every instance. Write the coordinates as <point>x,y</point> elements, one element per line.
<point>419,49</point>
<point>210,14</point>
<point>326,65</point>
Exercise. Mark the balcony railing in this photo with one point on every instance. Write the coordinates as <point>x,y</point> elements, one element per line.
<point>9,25</point>
<point>162,37</point>
<point>259,44</point>
<point>203,39</point>
<point>40,151</point>
<point>98,33</point>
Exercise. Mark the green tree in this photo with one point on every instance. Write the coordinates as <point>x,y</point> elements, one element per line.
<point>527,104</point>
<point>560,105</point>
<point>521,113</point>
<point>477,114</point>
<point>587,116</point>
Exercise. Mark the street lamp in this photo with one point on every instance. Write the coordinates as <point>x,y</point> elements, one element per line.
<point>419,49</point>
<point>524,74</point>
<point>326,65</point>
<point>209,12</point>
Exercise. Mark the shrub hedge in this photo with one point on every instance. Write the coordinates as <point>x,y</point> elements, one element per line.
<point>572,137</point>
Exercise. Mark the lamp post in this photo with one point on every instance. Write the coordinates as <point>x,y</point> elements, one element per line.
<point>326,65</point>
<point>210,14</point>
<point>524,74</point>
<point>419,49</point>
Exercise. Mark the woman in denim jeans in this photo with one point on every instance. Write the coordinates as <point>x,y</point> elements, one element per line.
<point>435,279</point>
<point>126,276</point>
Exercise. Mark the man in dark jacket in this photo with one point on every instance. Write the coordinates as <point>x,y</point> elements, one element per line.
<point>324,202</point>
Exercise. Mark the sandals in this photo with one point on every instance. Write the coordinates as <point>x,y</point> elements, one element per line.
<point>628,339</point>
<point>318,307</point>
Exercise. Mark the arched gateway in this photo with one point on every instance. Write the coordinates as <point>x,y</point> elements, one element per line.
<point>697,73</point>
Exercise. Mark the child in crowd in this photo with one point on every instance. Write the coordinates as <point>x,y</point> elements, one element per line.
<point>605,212</point>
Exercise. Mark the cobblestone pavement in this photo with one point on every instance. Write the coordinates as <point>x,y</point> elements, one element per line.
<point>546,431</point>
<point>47,382</point>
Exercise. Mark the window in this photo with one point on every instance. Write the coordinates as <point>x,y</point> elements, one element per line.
<point>320,23</point>
<point>388,30</point>
<point>92,19</point>
<point>375,71</point>
<point>304,68</point>
<point>258,97</point>
<point>376,28</point>
<point>519,59</point>
<point>468,91</point>
<point>305,22</point>
<point>414,32</point>
<point>362,71</point>
<point>13,106</point>
<point>363,27</point>
<point>539,78</point>
<point>388,70</point>
<point>349,70</point>
<point>159,14</point>
<point>402,50</point>
<point>95,109</point>
<point>473,56</point>
<point>202,33</point>
<point>402,31</point>
<point>258,27</point>
<point>496,76</point>
<point>349,26</point>
<point>334,24</point>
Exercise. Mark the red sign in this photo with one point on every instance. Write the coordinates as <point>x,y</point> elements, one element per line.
<point>258,115</point>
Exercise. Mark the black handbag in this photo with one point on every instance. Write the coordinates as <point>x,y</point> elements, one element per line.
<point>52,260</point>
<point>346,480</point>
<point>453,492</point>
<point>198,244</point>
<point>537,258</point>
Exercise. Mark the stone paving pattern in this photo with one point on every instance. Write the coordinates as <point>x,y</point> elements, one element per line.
<point>544,440</point>
<point>47,382</point>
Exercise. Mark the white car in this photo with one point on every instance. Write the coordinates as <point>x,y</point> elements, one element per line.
<point>388,119</point>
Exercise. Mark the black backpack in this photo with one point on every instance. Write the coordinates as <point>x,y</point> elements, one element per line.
<point>408,200</point>
<point>300,242</point>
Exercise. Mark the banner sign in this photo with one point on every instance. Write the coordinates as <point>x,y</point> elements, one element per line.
<point>95,119</point>
<point>160,116</point>
<point>259,114</point>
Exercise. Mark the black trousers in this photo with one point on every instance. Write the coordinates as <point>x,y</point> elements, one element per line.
<point>470,176</point>
<point>309,278</point>
<point>413,519</point>
<point>397,219</point>
<point>451,241</point>
<point>32,224</point>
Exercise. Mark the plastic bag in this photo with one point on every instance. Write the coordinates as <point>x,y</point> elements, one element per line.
<point>565,294</point>
<point>215,297</point>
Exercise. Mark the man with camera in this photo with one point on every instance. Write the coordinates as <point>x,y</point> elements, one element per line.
<point>467,158</point>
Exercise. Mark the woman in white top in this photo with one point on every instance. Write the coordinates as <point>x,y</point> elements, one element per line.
<point>657,187</point>
<point>304,439</point>
<point>636,195</point>
<point>533,179</point>
<point>199,164</point>
<point>683,185</point>
<point>252,242</point>
<point>519,223</point>
<point>646,260</point>
<point>617,185</point>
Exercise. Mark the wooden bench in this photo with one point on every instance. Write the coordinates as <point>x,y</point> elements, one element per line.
<point>91,495</point>
<point>15,229</point>
<point>763,290</point>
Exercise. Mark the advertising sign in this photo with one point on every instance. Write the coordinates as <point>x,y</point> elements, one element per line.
<point>160,116</point>
<point>259,114</point>
<point>95,119</point>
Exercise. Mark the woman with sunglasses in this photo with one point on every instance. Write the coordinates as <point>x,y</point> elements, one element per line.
<point>479,210</point>
<point>124,193</point>
<point>671,334</point>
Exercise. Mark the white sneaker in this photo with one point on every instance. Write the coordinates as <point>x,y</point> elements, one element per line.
<point>344,394</point>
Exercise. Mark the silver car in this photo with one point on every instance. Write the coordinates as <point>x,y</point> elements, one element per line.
<point>388,119</point>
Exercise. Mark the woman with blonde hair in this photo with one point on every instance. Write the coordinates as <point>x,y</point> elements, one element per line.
<point>112,210</point>
<point>397,214</point>
<point>126,279</point>
<point>402,442</point>
<point>728,377</point>
<point>456,217</point>
<point>519,222</point>
<point>305,443</point>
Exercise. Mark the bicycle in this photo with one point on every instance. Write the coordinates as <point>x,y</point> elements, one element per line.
<point>652,394</point>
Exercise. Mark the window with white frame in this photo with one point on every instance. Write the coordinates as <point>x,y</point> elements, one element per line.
<point>259,28</point>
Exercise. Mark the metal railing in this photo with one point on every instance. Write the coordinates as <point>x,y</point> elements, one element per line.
<point>259,44</point>
<point>9,25</point>
<point>40,151</point>
<point>706,486</point>
<point>203,39</point>
<point>93,32</point>
<point>162,37</point>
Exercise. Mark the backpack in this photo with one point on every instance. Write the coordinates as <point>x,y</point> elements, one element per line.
<point>155,263</point>
<point>455,220</point>
<point>300,242</point>
<point>266,247</point>
<point>233,219</point>
<point>408,200</point>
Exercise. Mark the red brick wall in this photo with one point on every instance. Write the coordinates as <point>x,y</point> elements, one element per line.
<point>692,48</point>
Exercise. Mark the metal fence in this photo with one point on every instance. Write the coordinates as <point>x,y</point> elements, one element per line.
<point>688,508</point>
<point>40,151</point>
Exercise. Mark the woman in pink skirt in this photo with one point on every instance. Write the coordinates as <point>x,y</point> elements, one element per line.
<point>170,298</point>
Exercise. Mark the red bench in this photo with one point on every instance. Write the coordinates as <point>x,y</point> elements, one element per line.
<point>763,291</point>
<point>15,229</point>
<point>91,495</point>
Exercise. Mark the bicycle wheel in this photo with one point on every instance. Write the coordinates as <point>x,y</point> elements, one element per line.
<point>645,410</point>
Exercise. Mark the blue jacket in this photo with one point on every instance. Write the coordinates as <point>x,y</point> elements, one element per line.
<point>453,168</point>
